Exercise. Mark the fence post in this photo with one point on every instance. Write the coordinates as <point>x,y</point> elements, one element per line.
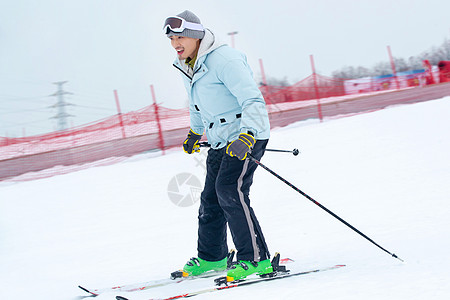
<point>316,88</point>
<point>158,122</point>
<point>119,113</point>
<point>394,72</point>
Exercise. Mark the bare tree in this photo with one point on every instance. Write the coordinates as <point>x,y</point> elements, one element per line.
<point>272,81</point>
<point>434,55</point>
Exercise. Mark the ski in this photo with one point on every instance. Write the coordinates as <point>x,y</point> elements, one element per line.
<point>148,284</point>
<point>244,282</point>
<point>175,277</point>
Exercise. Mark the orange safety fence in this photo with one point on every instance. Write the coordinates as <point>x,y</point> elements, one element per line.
<point>134,123</point>
<point>138,131</point>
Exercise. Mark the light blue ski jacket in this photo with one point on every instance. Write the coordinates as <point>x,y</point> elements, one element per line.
<point>224,100</point>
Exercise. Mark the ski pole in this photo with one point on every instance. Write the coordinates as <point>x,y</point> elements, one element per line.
<point>320,205</point>
<point>295,152</point>
<point>205,144</point>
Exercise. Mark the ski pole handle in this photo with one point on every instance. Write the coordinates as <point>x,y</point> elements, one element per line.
<point>204,144</point>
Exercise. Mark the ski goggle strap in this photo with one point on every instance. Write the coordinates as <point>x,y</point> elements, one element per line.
<point>177,24</point>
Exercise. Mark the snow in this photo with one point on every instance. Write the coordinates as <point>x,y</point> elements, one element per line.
<point>385,172</point>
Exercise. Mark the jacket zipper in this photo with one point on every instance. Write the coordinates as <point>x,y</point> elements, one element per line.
<point>182,71</point>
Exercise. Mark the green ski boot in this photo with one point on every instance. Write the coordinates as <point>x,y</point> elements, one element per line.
<point>245,268</point>
<point>196,266</point>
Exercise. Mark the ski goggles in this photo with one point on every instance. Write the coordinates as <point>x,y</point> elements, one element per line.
<point>177,24</point>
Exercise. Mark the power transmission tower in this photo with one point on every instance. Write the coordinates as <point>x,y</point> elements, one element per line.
<point>61,104</point>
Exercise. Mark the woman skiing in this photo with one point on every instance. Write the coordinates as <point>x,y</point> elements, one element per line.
<point>226,105</point>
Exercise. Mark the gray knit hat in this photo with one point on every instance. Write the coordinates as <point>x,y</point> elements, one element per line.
<point>189,17</point>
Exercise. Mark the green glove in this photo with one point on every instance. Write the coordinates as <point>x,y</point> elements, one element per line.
<point>190,144</point>
<point>241,146</point>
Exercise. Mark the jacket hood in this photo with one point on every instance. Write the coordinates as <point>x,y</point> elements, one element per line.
<point>208,44</point>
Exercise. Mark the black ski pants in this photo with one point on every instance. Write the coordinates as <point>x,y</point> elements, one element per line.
<point>225,200</point>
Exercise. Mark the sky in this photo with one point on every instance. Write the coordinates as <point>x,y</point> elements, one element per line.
<point>99,46</point>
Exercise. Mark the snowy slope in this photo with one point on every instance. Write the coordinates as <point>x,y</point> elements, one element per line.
<point>387,173</point>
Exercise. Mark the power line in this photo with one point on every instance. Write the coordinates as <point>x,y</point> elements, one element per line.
<point>98,108</point>
<point>25,123</point>
<point>4,111</point>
